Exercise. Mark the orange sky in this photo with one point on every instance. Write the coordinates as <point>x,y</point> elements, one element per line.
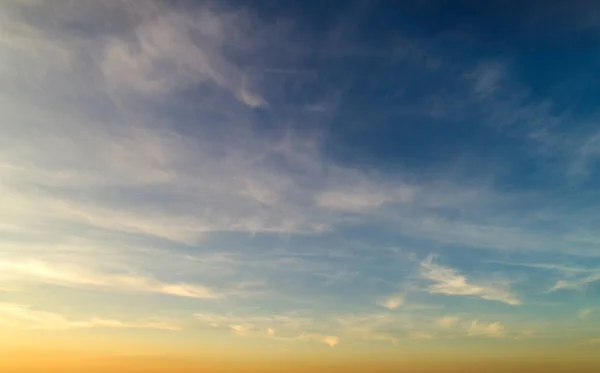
<point>32,363</point>
<point>49,360</point>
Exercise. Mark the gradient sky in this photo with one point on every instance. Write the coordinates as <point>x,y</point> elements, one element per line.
<point>309,181</point>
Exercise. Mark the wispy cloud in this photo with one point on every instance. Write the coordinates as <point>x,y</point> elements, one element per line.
<point>161,50</point>
<point>492,330</point>
<point>585,313</point>
<point>486,77</point>
<point>329,340</point>
<point>575,284</point>
<point>525,334</point>
<point>173,50</point>
<point>448,321</point>
<point>325,328</point>
<point>26,317</point>
<point>449,282</point>
<point>135,152</point>
<point>548,266</point>
<point>244,186</point>
<point>257,325</point>
<point>288,327</point>
<point>362,200</point>
<point>241,329</point>
<point>392,302</point>
<point>420,335</point>
<point>79,277</point>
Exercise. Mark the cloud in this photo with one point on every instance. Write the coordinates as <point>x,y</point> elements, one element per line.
<point>329,340</point>
<point>37,271</point>
<point>448,321</point>
<point>492,330</point>
<point>360,200</point>
<point>25,317</point>
<point>449,282</point>
<point>288,327</point>
<point>420,335</point>
<point>190,186</point>
<point>548,266</point>
<point>576,284</point>
<point>316,326</point>
<point>173,50</point>
<point>585,313</point>
<point>150,50</point>
<point>241,329</point>
<point>182,290</point>
<point>486,77</point>
<point>250,99</point>
<point>341,200</point>
<point>386,327</point>
<point>243,184</point>
<point>392,302</point>
<point>586,154</point>
<point>525,334</point>
<point>209,205</point>
<point>507,104</point>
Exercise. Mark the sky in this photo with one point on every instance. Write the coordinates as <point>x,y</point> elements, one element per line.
<point>299,186</point>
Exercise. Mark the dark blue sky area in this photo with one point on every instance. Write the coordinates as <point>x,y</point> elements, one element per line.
<point>502,88</point>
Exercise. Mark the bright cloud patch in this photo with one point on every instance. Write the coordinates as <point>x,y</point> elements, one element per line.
<point>492,330</point>
<point>392,302</point>
<point>448,321</point>
<point>24,316</point>
<point>79,277</point>
<point>450,282</point>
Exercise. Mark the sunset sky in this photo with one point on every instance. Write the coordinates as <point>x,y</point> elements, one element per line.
<point>299,186</point>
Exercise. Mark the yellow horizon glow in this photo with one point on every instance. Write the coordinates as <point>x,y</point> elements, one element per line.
<point>95,355</point>
<point>52,361</point>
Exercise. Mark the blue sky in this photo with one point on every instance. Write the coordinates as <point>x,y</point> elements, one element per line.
<point>308,172</point>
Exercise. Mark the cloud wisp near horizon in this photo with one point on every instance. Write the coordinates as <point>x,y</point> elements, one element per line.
<point>310,175</point>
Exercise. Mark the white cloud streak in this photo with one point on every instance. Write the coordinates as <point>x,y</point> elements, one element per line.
<point>329,340</point>
<point>25,317</point>
<point>585,313</point>
<point>448,321</point>
<point>288,327</point>
<point>391,302</point>
<point>362,200</point>
<point>173,50</point>
<point>325,328</point>
<point>77,277</point>
<point>492,330</point>
<point>449,282</point>
<point>575,284</point>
